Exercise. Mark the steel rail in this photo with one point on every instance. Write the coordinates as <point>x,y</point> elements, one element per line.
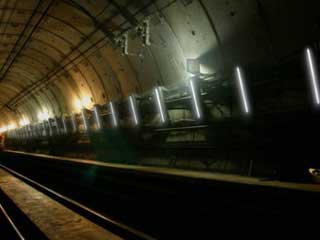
<point>11,222</point>
<point>136,234</point>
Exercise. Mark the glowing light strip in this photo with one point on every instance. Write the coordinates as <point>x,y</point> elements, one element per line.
<point>73,121</point>
<point>57,125</point>
<point>44,129</point>
<point>159,105</point>
<point>313,76</point>
<point>39,129</point>
<point>64,125</point>
<point>27,132</point>
<point>96,114</point>
<point>115,123</point>
<point>50,127</point>
<point>195,99</point>
<point>133,109</point>
<point>30,131</point>
<point>243,92</point>
<point>85,122</point>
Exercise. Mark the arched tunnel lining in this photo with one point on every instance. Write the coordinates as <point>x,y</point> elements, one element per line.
<point>176,33</point>
<point>73,53</point>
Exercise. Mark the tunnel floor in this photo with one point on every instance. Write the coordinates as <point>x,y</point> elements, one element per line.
<point>175,204</point>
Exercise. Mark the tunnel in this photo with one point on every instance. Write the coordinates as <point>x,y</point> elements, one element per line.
<point>135,115</point>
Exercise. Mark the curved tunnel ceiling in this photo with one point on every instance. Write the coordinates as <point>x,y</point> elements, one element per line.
<point>53,52</point>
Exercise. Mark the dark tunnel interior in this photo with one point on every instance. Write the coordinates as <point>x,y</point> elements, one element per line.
<point>157,83</point>
<point>205,86</point>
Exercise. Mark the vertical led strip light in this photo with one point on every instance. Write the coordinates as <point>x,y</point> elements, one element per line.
<point>97,116</point>
<point>74,123</point>
<point>29,131</point>
<point>113,113</point>
<point>57,125</point>
<point>161,111</point>
<point>133,110</point>
<point>195,98</point>
<point>44,129</point>
<point>243,90</point>
<point>64,124</point>
<point>84,119</point>
<point>313,76</point>
<point>50,127</point>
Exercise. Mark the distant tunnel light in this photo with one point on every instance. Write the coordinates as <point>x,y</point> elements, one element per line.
<point>3,129</point>
<point>313,75</point>
<point>86,101</point>
<point>113,113</point>
<point>242,90</point>
<point>159,104</point>
<point>43,115</point>
<point>40,116</point>
<point>195,98</point>
<point>133,110</point>
<point>97,116</point>
<point>78,105</point>
<point>24,121</point>
<point>11,126</point>
<point>193,66</point>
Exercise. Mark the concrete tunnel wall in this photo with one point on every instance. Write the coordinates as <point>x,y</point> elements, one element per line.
<point>71,54</point>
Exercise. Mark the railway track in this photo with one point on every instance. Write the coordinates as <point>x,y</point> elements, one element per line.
<point>112,225</point>
<point>14,224</point>
<point>162,205</point>
<point>8,228</point>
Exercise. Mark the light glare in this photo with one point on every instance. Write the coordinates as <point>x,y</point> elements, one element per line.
<point>24,121</point>
<point>86,101</point>
<point>11,126</point>
<point>43,115</point>
<point>78,105</point>
<point>3,129</point>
